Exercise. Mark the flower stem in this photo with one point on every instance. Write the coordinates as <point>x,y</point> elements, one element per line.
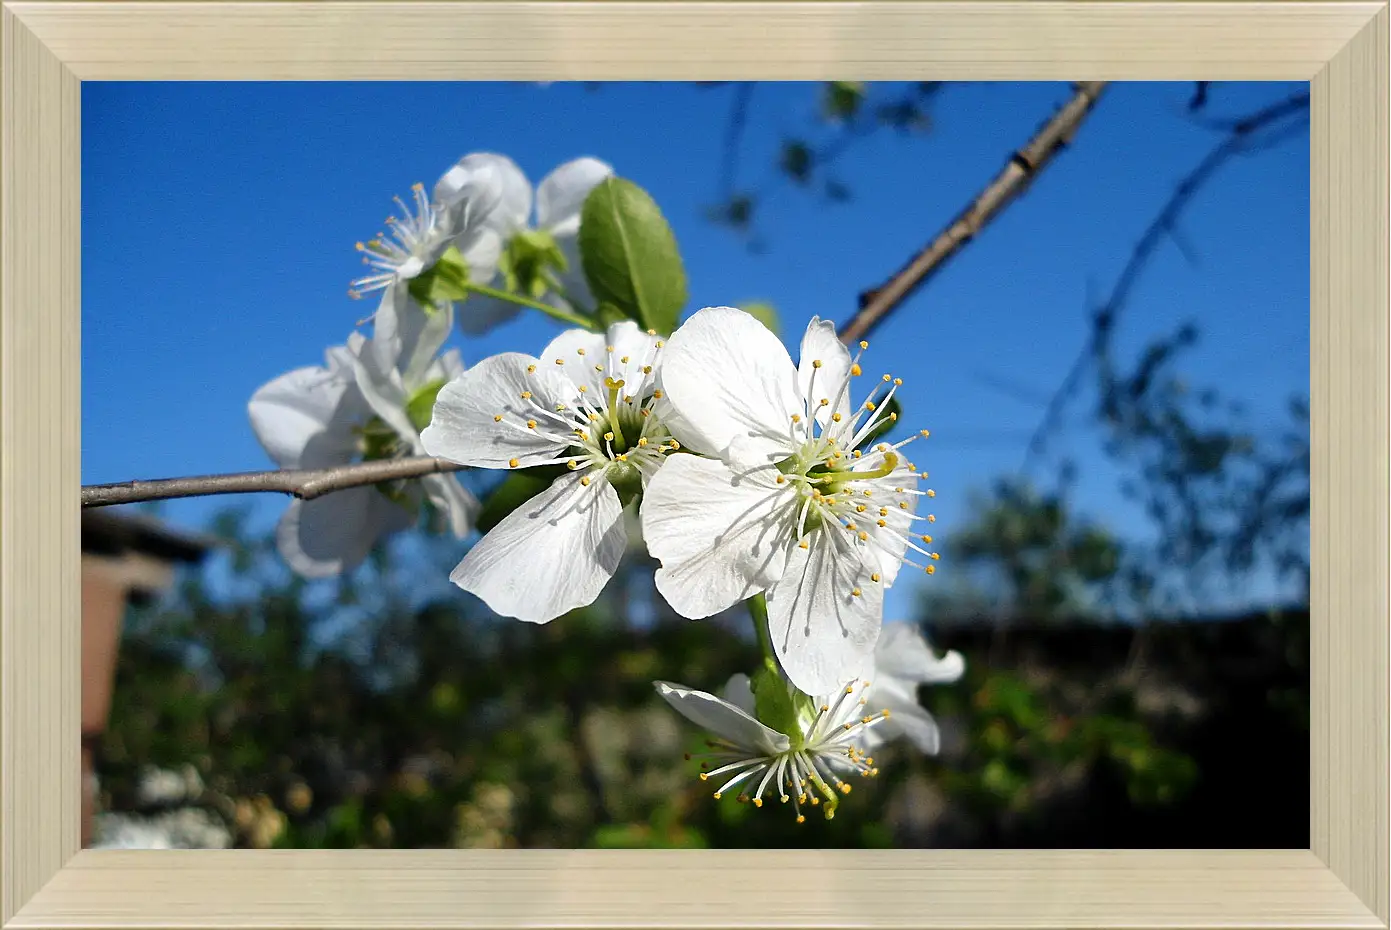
<point>758,611</point>
<point>564,316</point>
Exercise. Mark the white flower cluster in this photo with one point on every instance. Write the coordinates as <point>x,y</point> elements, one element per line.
<point>753,478</point>
<point>834,735</point>
<point>374,395</point>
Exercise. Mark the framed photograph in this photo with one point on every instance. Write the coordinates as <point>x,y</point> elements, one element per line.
<point>595,555</point>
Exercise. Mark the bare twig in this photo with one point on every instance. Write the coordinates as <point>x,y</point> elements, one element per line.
<point>1244,135</point>
<point>1023,166</point>
<point>734,134</point>
<point>306,484</point>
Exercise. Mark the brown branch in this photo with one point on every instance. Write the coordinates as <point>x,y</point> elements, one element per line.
<point>1023,166</point>
<point>875,304</point>
<point>306,484</point>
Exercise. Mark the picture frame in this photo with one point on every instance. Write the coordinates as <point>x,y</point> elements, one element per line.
<point>48,48</point>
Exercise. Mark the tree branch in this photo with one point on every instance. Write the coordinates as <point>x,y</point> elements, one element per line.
<point>1023,166</point>
<point>306,484</point>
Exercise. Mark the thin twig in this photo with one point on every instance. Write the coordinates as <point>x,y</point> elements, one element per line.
<point>306,484</point>
<point>1242,137</point>
<point>734,134</point>
<point>1023,166</point>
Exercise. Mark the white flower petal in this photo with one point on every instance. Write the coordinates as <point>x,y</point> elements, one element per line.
<point>481,248</point>
<point>831,380</point>
<point>909,720</point>
<point>304,418</point>
<point>467,195</point>
<point>597,363</point>
<point>823,635</point>
<point>463,427</point>
<point>729,378</point>
<point>721,537</point>
<point>405,336</point>
<point>560,195</point>
<point>572,279</point>
<point>739,692</point>
<point>902,652</point>
<point>551,555</point>
<point>723,719</point>
<point>447,367</point>
<point>454,500</point>
<point>577,352</point>
<point>891,543</point>
<point>333,534</point>
<point>509,210</point>
<point>383,389</point>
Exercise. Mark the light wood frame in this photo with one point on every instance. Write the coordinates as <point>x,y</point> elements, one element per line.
<point>48,48</point>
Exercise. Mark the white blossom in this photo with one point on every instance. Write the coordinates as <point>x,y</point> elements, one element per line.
<point>557,200</point>
<point>808,766</point>
<point>783,499</point>
<point>413,242</point>
<point>585,403</point>
<point>358,406</point>
<point>181,828</point>
<point>904,661</point>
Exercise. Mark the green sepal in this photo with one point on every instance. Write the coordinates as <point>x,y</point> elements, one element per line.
<point>420,408</point>
<point>377,440</point>
<point>524,263</point>
<point>774,706</point>
<point>446,281</point>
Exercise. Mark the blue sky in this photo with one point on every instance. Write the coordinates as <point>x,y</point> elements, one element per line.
<point>218,224</point>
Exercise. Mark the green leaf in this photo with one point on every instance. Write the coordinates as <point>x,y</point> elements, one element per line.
<point>841,100</point>
<point>514,491</point>
<point>629,255</point>
<point>609,315</point>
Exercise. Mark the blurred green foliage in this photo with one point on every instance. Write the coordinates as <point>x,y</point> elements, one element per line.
<point>360,714</point>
